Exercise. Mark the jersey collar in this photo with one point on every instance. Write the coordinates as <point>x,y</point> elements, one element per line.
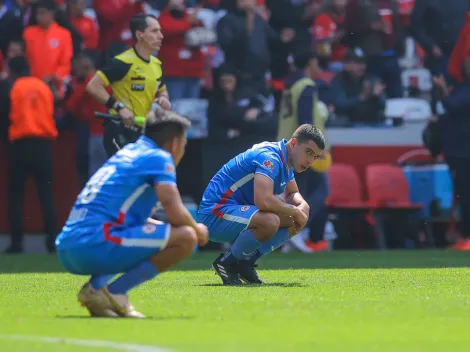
<point>148,141</point>
<point>138,55</point>
<point>283,152</point>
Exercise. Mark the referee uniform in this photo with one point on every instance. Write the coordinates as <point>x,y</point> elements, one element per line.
<point>135,82</point>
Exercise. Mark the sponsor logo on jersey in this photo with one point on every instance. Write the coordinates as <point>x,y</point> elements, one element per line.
<point>169,168</point>
<point>137,87</point>
<point>245,208</point>
<point>149,228</point>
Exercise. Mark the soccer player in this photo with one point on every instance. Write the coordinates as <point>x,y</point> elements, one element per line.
<point>137,80</point>
<point>253,202</point>
<point>109,232</point>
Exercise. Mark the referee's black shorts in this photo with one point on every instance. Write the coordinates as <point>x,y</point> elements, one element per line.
<point>117,135</point>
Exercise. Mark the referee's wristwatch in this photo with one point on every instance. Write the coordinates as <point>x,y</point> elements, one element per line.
<point>119,106</point>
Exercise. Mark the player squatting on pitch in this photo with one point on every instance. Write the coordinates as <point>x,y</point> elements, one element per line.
<point>109,230</point>
<point>253,202</point>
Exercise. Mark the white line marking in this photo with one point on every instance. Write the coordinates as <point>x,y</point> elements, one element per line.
<point>128,347</point>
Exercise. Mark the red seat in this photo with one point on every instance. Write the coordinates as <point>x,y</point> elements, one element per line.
<point>345,188</point>
<point>387,188</point>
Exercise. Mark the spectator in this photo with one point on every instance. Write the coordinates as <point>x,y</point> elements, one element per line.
<point>375,27</point>
<point>114,18</point>
<point>355,95</point>
<point>238,110</point>
<point>299,106</point>
<point>86,26</point>
<point>183,65</point>
<point>82,106</point>
<point>435,25</point>
<point>32,128</point>
<point>455,129</point>
<point>329,33</point>
<point>49,47</point>
<point>11,27</point>
<point>15,48</point>
<point>244,36</point>
<point>292,19</point>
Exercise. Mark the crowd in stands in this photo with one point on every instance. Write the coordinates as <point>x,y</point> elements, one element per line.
<point>237,54</point>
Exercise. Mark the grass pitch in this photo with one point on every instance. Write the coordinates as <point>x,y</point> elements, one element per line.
<point>340,301</point>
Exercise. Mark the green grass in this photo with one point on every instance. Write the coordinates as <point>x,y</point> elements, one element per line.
<point>341,301</point>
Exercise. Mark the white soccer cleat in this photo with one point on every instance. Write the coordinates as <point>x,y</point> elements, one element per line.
<point>121,305</point>
<point>96,302</point>
<point>298,241</point>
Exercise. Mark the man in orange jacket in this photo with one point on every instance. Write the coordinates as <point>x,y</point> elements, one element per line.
<point>32,127</point>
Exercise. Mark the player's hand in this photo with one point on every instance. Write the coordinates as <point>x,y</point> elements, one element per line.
<point>127,117</point>
<point>202,234</point>
<point>164,102</point>
<point>300,218</point>
<point>304,208</point>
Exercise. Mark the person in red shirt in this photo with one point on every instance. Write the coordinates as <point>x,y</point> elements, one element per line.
<point>114,18</point>
<point>86,26</point>
<point>184,66</point>
<point>82,106</point>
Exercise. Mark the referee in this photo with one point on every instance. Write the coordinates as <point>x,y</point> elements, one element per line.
<point>136,79</point>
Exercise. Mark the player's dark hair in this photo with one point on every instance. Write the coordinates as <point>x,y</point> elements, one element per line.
<point>302,58</point>
<point>165,126</point>
<point>307,132</point>
<point>49,5</point>
<point>19,66</point>
<point>139,23</point>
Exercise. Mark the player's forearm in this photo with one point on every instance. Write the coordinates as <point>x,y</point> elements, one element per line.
<point>180,216</point>
<point>275,205</point>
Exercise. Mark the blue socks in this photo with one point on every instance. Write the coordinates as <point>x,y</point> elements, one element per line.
<point>99,281</point>
<point>281,237</point>
<point>243,248</point>
<point>133,278</point>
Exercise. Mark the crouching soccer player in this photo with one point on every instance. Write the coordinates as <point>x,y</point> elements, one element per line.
<point>109,232</point>
<point>253,202</point>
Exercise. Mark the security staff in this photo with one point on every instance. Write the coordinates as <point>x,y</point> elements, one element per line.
<point>136,79</point>
<point>300,105</point>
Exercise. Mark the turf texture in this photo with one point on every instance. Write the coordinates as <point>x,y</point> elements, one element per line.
<point>340,301</point>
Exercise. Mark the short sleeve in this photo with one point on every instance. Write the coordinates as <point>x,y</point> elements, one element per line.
<point>114,71</point>
<point>160,169</point>
<point>267,164</point>
<point>162,86</point>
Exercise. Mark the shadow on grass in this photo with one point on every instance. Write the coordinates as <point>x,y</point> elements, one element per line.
<point>273,284</point>
<point>87,317</point>
<point>29,263</point>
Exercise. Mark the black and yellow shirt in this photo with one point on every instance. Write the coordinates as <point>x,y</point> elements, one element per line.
<point>134,80</point>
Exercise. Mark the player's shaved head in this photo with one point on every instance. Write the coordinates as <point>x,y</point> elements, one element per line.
<point>307,132</point>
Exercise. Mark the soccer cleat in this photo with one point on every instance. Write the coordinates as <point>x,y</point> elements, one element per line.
<point>228,273</point>
<point>298,241</point>
<point>247,272</point>
<point>96,302</point>
<point>320,246</point>
<point>121,305</point>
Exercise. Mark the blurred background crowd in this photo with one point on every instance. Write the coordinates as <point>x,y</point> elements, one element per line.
<point>231,60</point>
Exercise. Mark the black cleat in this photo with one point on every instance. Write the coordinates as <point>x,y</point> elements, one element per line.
<point>248,273</point>
<point>228,273</point>
<point>14,249</point>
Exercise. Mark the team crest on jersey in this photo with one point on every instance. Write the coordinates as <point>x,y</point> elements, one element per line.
<point>149,228</point>
<point>269,164</point>
<point>245,208</point>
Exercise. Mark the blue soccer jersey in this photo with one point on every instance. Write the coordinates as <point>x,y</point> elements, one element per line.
<point>120,193</point>
<point>233,183</point>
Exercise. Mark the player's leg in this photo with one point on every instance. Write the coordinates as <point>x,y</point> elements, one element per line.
<point>244,226</point>
<point>155,249</point>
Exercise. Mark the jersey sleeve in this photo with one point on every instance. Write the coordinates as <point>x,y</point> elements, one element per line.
<point>114,71</point>
<point>160,169</point>
<point>267,164</point>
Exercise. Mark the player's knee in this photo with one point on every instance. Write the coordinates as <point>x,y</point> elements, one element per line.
<point>189,236</point>
<point>268,224</point>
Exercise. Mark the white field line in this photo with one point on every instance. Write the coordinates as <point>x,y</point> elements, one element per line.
<point>127,347</point>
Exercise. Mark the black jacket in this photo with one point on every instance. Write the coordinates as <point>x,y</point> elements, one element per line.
<point>11,28</point>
